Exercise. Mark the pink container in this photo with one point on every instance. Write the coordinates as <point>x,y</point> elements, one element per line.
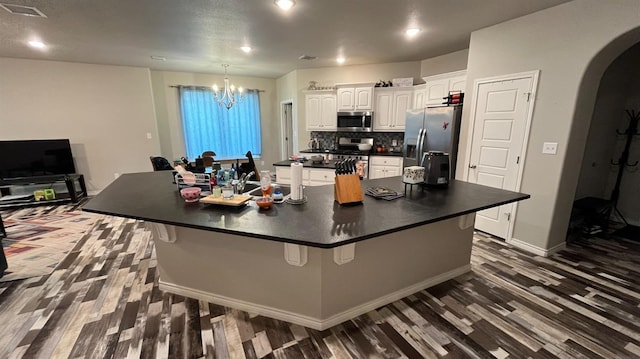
<point>191,194</point>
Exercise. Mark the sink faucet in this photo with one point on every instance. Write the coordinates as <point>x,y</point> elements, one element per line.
<point>243,180</point>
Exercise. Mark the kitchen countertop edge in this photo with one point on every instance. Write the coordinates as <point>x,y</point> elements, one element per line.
<point>163,204</point>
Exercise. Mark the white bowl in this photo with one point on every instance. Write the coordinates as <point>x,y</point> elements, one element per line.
<point>364,146</point>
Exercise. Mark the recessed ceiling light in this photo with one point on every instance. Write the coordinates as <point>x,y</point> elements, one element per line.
<point>412,31</point>
<point>340,60</point>
<point>285,4</point>
<point>158,58</point>
<point>22,10</point>
<point>37,44</point>
<point>246,49</point>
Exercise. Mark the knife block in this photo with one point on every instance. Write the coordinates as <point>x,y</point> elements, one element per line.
<point>347,189</point>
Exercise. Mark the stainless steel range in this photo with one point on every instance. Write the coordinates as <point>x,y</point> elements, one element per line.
<point>348,148</point>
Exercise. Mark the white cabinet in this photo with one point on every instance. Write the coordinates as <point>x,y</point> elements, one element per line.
<point>419,94</point>
<point>437,87</point>
<point>435,90</point>
<point>321,176</point>
<point>310,176</point>
<point>458,83</point>
<point>355,98</point>
<point>384,166</point>
<point>320,108</point>
<point>391,108</point>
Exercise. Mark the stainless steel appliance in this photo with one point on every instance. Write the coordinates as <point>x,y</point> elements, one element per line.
<point>432,129</point>
<point>348,149</point>
<point>355,121</point>
<point>436,168</point>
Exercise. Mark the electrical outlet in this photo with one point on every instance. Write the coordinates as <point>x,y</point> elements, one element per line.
<point>149,135</point>
<point>550,148</point>
<point>261,163</point>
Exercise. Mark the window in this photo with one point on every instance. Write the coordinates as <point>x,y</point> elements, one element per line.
<point>208,126</point>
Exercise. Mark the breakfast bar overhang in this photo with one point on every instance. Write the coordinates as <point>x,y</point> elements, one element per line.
<point>316,264</point>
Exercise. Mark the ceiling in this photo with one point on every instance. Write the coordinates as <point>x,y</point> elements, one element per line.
<point>200,35</point>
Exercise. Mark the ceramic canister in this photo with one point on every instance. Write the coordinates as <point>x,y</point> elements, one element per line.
<point>413,174</point>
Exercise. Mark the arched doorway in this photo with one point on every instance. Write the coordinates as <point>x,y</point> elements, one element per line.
<point>610,86</point>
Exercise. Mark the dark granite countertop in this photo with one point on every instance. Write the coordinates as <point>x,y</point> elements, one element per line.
<point>330,165</point>
<point>320,222</point>
<point>371,153</point>
<point>391,154</point>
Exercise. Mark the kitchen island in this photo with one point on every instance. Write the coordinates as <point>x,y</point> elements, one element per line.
<point>315,264</point>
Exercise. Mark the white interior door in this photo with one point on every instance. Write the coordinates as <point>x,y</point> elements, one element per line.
<point>288,129</point>
<point>502,113</point>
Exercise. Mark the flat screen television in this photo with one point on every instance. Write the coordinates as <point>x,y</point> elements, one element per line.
<point>29,158</point>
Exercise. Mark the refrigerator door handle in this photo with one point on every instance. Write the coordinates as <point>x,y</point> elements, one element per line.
<point>420,144</point>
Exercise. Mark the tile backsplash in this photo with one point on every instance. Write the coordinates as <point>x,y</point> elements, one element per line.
<point>329,140</point>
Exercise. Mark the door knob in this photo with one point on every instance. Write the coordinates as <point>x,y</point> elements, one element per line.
<point>472,166</point>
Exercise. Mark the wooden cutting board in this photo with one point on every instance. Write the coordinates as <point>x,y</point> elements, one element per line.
<point>237,200</point>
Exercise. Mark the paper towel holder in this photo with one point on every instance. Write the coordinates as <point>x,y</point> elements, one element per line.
<point>303,198</point>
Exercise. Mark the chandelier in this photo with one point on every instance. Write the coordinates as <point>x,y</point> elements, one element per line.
<point>228,95</point>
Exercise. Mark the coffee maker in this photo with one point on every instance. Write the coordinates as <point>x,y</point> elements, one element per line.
<point>436,168</point>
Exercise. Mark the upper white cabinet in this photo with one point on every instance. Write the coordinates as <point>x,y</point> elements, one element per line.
<point>437,87</point>
<point>320,109</point>
<point>391,108</point>
<point>355,98</point>
<point>419,95</point>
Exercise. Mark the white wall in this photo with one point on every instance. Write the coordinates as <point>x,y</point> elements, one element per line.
<point>562,42</point>
<point>454,61</point>
<point>286,88</point>
<point>168,111</point>
<point>105,111</point>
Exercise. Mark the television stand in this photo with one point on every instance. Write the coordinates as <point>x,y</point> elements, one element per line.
<point>19,191</point>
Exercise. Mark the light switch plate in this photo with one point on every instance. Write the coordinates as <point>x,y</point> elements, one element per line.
<point>550,148</point>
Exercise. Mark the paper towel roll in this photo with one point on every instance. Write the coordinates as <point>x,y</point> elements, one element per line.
<point>296,181</point>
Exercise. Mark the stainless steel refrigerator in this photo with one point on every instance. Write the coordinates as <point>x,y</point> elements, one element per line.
<point>432,129</point>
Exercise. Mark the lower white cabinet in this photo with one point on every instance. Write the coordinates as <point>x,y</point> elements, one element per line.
<point>384,166</point>
<point>320,176</point>
<point>310,176</point>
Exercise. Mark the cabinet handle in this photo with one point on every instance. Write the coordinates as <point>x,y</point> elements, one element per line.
<point>472,166</point>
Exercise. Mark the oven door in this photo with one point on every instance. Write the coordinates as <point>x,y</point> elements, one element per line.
<point>355,121</point>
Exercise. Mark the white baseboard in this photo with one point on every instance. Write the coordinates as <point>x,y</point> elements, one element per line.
<point>94,192</point>
<point>307,321</point>
<point>535,249</point>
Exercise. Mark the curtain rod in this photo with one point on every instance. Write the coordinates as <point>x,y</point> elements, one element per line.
<point>208,87</point>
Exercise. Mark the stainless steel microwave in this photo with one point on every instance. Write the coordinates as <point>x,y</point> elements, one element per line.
<point>355,121</point>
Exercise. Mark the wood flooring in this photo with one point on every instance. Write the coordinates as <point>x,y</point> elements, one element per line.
<point>103,301</point>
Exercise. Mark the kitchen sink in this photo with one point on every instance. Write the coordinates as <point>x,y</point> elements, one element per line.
<point>252,189</point>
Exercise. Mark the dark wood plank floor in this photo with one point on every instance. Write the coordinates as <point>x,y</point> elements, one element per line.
<point>103,301</point>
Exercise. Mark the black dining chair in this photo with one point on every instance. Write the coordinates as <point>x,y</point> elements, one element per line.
<point>160,164</point>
